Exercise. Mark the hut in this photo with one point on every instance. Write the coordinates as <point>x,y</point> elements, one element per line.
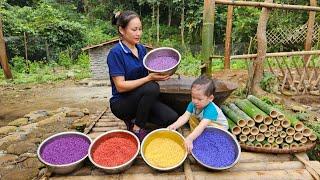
<point>98,54</point>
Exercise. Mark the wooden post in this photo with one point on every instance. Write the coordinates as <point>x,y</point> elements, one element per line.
<point>207,35</point>
<point>311,20</point>
<point>261,51</point>
<point>227,46</point>
<point>3,54</point>
<point>26,51</point>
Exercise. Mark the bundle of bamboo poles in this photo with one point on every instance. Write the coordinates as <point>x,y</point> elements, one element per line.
<point>258,124</point>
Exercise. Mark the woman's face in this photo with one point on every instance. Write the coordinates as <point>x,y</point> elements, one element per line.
<point>132,33</point>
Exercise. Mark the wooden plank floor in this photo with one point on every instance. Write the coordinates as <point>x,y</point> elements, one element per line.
<point>251,165</point>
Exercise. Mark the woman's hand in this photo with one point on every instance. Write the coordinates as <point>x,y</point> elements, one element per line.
<point>158,77</point>
<point>189,144</point>
<point>172,127</point>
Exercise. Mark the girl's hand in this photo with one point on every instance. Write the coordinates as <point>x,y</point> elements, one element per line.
<point>158,77</point>
<point>189,144</point>
<point>172,127</point>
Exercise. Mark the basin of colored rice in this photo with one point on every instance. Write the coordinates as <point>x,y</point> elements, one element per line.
<point>163,149</point>
<point>216,149</point>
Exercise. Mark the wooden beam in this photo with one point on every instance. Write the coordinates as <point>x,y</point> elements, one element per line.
<point>3,54</point>
<point>227,44</point>
<point>278,54</point>
<point>207,35</point>
<point>311,20</point>
<point>268,5</point>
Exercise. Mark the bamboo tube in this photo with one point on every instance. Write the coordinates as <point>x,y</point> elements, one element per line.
<point>270,139</point>
<point>280,117</point>
<point>275,146</point>
<point>242,143</point>
<point>298,125</point>
<point>303,140</point>
<point>272,128</point>
<point>290,131</point>
<point>245,130</point>
<point>263,106</point>
<point>289,139</point>
<point>250,144</point>
<point>313,137</point>
<point>255,113</point>
<point>267,120</point>
<point>285,146</point>
<point>267,145</point>
<point>306,132</point>
<point>260,137</point>
<point>243,138</point>
<point>285,123</point>
<point>237,110</point>
<point>279,140</point>
<point>283,134</point>
<point>267,134</point>
<point>293,145</point>
<point>279,129</point>
<point>251,138</point>
<point>297,136</point>
<point>233,127</point>
<point>276,123</point>
<point>254,130</point>
<point>233,116</point>
<point>251,122</point>
<point>275,134</point>
<point>258,145</point>
<point>263,128</point>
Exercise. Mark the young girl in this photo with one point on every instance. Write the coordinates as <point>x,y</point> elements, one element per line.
<point>201,111</point>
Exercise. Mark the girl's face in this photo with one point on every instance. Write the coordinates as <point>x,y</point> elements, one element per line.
<point>132,33</point>
<point>199,99</point>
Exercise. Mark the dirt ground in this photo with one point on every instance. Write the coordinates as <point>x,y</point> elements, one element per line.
<point>18,100</point>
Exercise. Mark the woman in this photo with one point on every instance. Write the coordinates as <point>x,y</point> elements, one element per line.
<point>135,91</point>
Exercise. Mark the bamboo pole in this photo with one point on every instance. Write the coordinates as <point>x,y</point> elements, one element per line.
<point>280,117</point>
<point>267,145</point>
<point>251,138</point>
<point>279,140</point>
<point>293,145</point>
<point>267,120</point>
<point>275,146</point>
<point>290,131</point>
<point>311,21</point>
<point>233,116</point>
<point>263,128</point>
<point>303,140</point>
<point>285,123</point>
<point>250,144</point>
<point>297,136</point>
<point>267,5</point>
<point>275,134</point>
<point>227,47</point>
<point>255,113</point>
<point>260,137</point>
<point>278,54</point>
<point>254,130</point>
<point>283,134</point>
<point>276,123</point>
<point>267,134</point>
<point>306,132</point>
<point>263,106</point>
<point>289,139</point>
<point>245,130</point>
<point>207,34</point>
<point>285,146</point>
<point>239,112</point>
<point>243,137</point>
<point>272,128</point>
<point>313,137</point>
<point>258,145</point>
<point>279,128</point>
<point>298,125</point>
<point>270,139</point>
<point>233,127</point>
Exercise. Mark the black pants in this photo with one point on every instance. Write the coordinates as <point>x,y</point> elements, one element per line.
<point>143,104</point>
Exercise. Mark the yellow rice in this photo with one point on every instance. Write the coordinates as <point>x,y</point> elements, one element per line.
<point>164,152</point>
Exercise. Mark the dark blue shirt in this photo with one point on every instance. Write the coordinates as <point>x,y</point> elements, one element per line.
<point>122,62</point>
